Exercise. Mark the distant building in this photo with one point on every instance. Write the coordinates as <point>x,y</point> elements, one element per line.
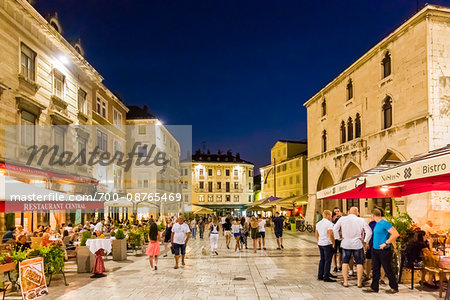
<point>222,182</point>
<point>287,174</point>
<point>391,105</point>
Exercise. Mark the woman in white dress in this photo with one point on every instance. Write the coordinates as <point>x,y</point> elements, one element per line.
<point>214,235</point>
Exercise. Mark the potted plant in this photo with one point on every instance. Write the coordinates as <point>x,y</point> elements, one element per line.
<point>293,223</point>
<point>119,246</point>
<point>85,259</point>
<point>6,263</point>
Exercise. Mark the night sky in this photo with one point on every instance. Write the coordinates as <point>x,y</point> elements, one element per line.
<point>237,71</point>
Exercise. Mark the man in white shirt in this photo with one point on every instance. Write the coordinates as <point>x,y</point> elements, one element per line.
<point>325,241</point>
<point>99,228</point>
<point>261,232</point>
<point>354,231</point>
<point>179,238</point>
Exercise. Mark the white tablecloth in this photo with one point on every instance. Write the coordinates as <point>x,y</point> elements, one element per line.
<point>95,244</point>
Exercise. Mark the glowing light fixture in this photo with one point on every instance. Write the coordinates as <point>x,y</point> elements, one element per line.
<point>384,189</point>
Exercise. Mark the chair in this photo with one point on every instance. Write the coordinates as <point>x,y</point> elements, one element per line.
<point>36,242</point>
<point>431,266</point>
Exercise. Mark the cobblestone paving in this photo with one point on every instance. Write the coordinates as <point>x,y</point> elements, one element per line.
<point>270,274</point>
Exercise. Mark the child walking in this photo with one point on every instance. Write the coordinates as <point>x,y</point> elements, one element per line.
<point>153,246</point>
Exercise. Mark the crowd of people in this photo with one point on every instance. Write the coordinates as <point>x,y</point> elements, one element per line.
<point>349,240</point>
<point>178,231</point>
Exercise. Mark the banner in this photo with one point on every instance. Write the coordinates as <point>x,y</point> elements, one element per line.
<point>32,278</point>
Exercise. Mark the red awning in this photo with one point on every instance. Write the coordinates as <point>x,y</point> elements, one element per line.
<point>425,173</point>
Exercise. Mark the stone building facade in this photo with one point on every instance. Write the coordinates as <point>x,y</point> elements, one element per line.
<point>390,105</point>
<point>287,174</point>
<point>222,182</point>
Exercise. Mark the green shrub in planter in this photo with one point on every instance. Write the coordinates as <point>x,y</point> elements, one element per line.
<point>53,259</point>
<point>86,235</point>
<point>120,235</point>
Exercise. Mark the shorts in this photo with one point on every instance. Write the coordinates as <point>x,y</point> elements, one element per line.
<point>254,233</point>
<point>337,246</point>
<point>237,234</point>
<point>358,256</point>
<point>228,232</point>
<point>262,234</point>
<point>179,248</point>
<point>278,234</point>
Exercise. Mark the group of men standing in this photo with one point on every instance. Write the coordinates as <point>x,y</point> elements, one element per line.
<point>358,241</point>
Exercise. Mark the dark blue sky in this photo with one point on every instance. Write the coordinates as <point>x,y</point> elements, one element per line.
<point>238,71</point>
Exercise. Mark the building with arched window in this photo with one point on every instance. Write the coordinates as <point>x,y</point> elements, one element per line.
<point>393,117</point>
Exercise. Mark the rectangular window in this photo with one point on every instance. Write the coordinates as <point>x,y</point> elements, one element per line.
<point>219,172</point>
<point>352,202</point>
<point>249,198</point>
<point>201,198</point>
<point>142,151</point>
<point>117,147</point>
<point>227,187</point>
<point>291,180</point>
<point>58,135</point>
<point>28,62</point>
<point>118,178</point>
<point>117,119</point>
<point>82,148</point>
<point>102,141</point>
<point>250,173</point>
<point>297,178</point>
<point>210,187</point>
<point>58,84</point>
<point>185,172</point>
<point>82,101</point>
<point>186,198</point>
<point>101,107</point>
<point>249,185</point>
<point>236,185</point>
<point>210,198</point>
<point>227,198</point>
<point>210,172</point>
<point>219,185</point>
<point>219,198</point>
<point>28,122</point>
<point>142,181</point>
<point>236,198</point>
<point>227,172</point>
<point>142,129</point>
<point>201,172</point>
<point>201,185</point>
<point>236,172</point>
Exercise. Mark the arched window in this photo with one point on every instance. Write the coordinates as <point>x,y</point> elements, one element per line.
<point>387,112</point>
<point>54,25</point>
<point>350,129</point>
<point>324,141</point>
<point>324,107</point>
<point>357,126</point>
<point>349,90</point>
<point>343,132</point>
<point>386,64</point>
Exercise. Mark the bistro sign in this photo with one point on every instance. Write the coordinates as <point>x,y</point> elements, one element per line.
<point>415,170</point>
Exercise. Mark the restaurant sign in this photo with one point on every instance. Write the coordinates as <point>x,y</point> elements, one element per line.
<point>339,188</point>
<point>416,170</point>
<point>32,278</point>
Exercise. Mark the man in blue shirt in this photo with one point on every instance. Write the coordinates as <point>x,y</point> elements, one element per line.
<point>384,235</point>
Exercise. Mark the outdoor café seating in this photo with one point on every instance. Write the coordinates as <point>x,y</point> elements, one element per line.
<point>433,269</point>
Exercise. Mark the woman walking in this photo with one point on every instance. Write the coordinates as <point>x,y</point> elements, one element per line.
<point>194,227</point>
<point>214,235</point>
<point>236,229</point>
<point>167,236</point>
<point>254,225</point>
<point>244,233</point>
<point>153,246</point>
<point>201,227</point>
<point>227,231</point>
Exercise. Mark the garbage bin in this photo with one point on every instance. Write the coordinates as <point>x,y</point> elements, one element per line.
<point>293,227</point>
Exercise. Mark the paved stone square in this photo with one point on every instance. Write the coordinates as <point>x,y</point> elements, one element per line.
<point>270,274</point>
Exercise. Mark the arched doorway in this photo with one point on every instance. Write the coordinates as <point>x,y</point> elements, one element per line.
<point>325,180</point>
<point>350,171</point>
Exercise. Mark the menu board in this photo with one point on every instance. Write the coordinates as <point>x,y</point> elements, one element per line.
<point>32,278</point>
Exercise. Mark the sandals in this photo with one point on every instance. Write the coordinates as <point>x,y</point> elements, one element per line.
<point>344,285</point>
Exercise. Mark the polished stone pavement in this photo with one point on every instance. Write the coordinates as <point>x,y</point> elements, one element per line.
<point>270,274</point>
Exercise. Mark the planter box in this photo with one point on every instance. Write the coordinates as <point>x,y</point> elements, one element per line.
<point>7,267</point>
<point>293,227</point>
<point>119,249</point>
<point>406,276</point>
<point>85,260</point>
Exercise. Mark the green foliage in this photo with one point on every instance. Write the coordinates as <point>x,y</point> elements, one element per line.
<point>18,255</point>
<point>134,238</point>
<point>84,237</point>
<point>119,234</point>
<point>53,259</point>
